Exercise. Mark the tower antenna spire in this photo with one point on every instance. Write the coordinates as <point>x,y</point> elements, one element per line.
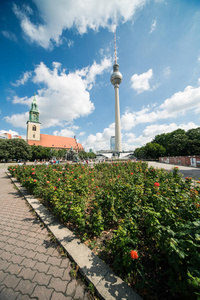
<point>115,46</point>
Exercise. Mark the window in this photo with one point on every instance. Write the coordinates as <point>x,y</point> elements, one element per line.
<point>34,128</point>
<point>33,135</point>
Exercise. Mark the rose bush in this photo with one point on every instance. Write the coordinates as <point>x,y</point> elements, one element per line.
<point>151,210</point>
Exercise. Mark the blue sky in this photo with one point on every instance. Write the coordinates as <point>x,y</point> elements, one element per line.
<point>63,51</point>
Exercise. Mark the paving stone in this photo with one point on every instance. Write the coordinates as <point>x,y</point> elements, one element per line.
<point>21,244</point>
<point>33,234</point>
<point>9,247</point>
<point>28,262</point>
<point>52,252</point>
<point>11,281</point>
<point>27,273</point>
<point>71,288</point>
<point>25,297</point>
<point>30,246</point>
<point>41,267</point>
<point>8,294</point>
<point>59,296</point>
<point>2,244</point>
<point>65,262</point>
<point>25,286</point>
<point>42,278</point>
<point>66,275</point>
<point>2,276</point>
<point>80,291</point>
<point>42,292</point>
<point>41,257</point>
<point>23,237</point>
<point>40,249</point>
<point>4,264</point>
<point>19,250</point>
<point>4,238</point>
<point>14,269</point>
<point>56,271</point>
<point>24,232</point>
<point>1,288</point>
<point>13,234</point>
<point>29,253</point>
<point>6,255</point>
<point>31,240</point>
<point>58,284</point>
<point>16,259</point>
<point>55,261</point>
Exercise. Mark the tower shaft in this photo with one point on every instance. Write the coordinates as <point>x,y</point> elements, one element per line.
<point>118,145</point>
<point>116,79</point>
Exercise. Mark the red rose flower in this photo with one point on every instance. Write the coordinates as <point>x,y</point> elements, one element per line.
<point>157,184</point>
<point>134,254</point>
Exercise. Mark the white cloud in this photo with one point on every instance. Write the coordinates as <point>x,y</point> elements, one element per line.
<point>153,26</point>
<point>9,35</point>
<point>153,130</point>
<point>62,97</point>
<point>18,120</point>
<point>82,133</point>
<point>82,15</point>
<point>64,132</point>
<point>24,78</point>
<point>140,83</point>
<point>180,102</point>
<point>167,72</point>
<point>100,141</point>
<point>177,105</point>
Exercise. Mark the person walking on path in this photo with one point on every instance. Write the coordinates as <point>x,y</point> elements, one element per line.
<point>30,264</point>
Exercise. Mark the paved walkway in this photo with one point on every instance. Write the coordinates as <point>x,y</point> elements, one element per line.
<point>30,265</point>
<point>186,171</point>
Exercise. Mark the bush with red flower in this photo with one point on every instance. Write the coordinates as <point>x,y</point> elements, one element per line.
<point>135,207</point>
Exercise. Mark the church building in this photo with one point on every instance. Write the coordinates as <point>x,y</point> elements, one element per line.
<point>34,137</point>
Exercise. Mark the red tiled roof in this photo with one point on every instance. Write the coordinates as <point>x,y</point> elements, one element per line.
<point>80,146</point>
<point>54,141</point>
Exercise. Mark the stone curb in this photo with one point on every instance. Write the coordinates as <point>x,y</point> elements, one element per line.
<point>107,285</point>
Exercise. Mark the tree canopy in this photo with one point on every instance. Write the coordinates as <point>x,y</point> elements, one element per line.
<point>176,143</point>
<point>18,149</point>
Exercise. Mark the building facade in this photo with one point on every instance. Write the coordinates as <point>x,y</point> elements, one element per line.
<point>34,137</point>
<point>8,136</point>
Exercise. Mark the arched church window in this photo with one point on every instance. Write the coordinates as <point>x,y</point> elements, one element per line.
<point>34,128</point>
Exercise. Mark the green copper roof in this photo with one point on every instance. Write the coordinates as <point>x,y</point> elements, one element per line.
<point>34,105</point>
<point>34,112</point>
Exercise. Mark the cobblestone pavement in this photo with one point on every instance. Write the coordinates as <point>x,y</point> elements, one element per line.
<point>30,264</point>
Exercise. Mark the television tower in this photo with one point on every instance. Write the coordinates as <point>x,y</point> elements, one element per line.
<point>116,79</point>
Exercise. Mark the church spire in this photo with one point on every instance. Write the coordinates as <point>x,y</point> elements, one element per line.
<point>34,112</point>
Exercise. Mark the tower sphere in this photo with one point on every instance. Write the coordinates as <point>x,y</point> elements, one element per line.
<point>116,77</point>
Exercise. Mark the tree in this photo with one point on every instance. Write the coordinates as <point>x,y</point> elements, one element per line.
<point>86,155</point>
<point>4,153</point>
<point>18,149</point>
